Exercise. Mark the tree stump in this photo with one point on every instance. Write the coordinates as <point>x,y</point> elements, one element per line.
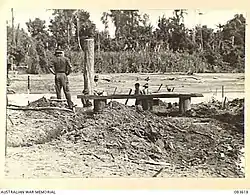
<point>184,104</point>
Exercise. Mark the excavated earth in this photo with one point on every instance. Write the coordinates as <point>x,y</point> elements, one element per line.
<point>124,142</point>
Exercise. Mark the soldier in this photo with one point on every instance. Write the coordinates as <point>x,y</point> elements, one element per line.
<point>147,104</point>
<point>61,68</point>
<point>137,92</point>
<point>145,91</point>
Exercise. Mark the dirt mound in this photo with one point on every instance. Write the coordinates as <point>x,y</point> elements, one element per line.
<point>145,136</point>
<point>233,112</point>
<point>32,127</point>
<point>44,102</point>
<point>27,127</point>
<point>142,136</point>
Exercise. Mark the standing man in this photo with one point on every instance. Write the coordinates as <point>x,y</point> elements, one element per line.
<point>137,92</point>
<point>147,104</point>
<point>61,68</point>
<point>145,91</point>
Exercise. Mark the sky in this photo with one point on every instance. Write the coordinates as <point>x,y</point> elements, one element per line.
<point>211,18</point>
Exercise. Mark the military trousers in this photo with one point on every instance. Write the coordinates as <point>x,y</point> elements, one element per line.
<point>61,81</point>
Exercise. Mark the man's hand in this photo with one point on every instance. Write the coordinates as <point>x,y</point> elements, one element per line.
<point>52,71</point>
<point>68,72</point>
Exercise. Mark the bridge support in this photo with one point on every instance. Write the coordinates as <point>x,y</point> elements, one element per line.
<point>184,104</point>
<point>99,104</point>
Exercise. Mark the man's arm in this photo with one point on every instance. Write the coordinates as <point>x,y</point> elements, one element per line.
<point>51,70</point>
<point>69,67</point>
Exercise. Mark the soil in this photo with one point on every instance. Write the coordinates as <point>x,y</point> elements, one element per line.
<point>124,142</point>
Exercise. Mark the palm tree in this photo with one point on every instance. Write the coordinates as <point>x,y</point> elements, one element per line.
<point>220,27</point>
<point>179,15</point>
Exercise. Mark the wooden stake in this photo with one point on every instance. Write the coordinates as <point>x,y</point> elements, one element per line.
<point>88,65</point>
<point>224,103</point>
<point>28,84</point>
<point>10,119</point>
<point>114,93</point>
<point>130,91</point>
<point>222,91</point>
<point>159,88</point>
<point>158,172</point>
<point>184,104</point>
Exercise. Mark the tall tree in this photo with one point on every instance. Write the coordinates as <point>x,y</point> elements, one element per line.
<point>85,28</point>
<point>62,28</point>
<point>37,30</point>
<point>173,31</point>
<point>233,34</point>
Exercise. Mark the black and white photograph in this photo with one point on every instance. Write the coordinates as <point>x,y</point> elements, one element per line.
<point>125,93</point>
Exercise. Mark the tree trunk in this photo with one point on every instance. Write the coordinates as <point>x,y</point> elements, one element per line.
<point>13,29</point>
<point>17,34</point>
<point>78,36</point>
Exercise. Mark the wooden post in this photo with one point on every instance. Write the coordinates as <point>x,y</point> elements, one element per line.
<point>28,88</point>
<point>111,103</point>
<point>159,88</point>
<point>224,103</point>
<point>156,102</point>
<point>88,65</point>
<point>130,91</point>
<point>222,91</point>
<point>145,104</point>
<point>184,104</point>
<point>28,84</point>
<point>99,105</point>
<point>150,104</point>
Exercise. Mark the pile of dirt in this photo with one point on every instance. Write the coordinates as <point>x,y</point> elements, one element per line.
<point>143,136</point>
<point>183,142</point>
<point>232,113</point>
<point>29,127</point>
<point>214,107</point>
<point>44,102</point>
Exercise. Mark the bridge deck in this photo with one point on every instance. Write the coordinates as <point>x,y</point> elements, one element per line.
<point>150,96</point>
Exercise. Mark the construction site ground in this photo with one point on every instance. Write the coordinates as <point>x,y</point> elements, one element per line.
<point>208,141</point>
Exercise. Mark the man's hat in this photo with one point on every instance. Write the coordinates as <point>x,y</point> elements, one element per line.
<point>59,52</point>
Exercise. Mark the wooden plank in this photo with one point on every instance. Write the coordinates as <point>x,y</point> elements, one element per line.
<point>150,96</point>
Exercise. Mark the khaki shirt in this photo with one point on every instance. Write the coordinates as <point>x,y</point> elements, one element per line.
<point>61,65</point>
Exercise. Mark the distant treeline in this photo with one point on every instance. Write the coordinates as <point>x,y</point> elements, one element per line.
<point>136,47</point>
